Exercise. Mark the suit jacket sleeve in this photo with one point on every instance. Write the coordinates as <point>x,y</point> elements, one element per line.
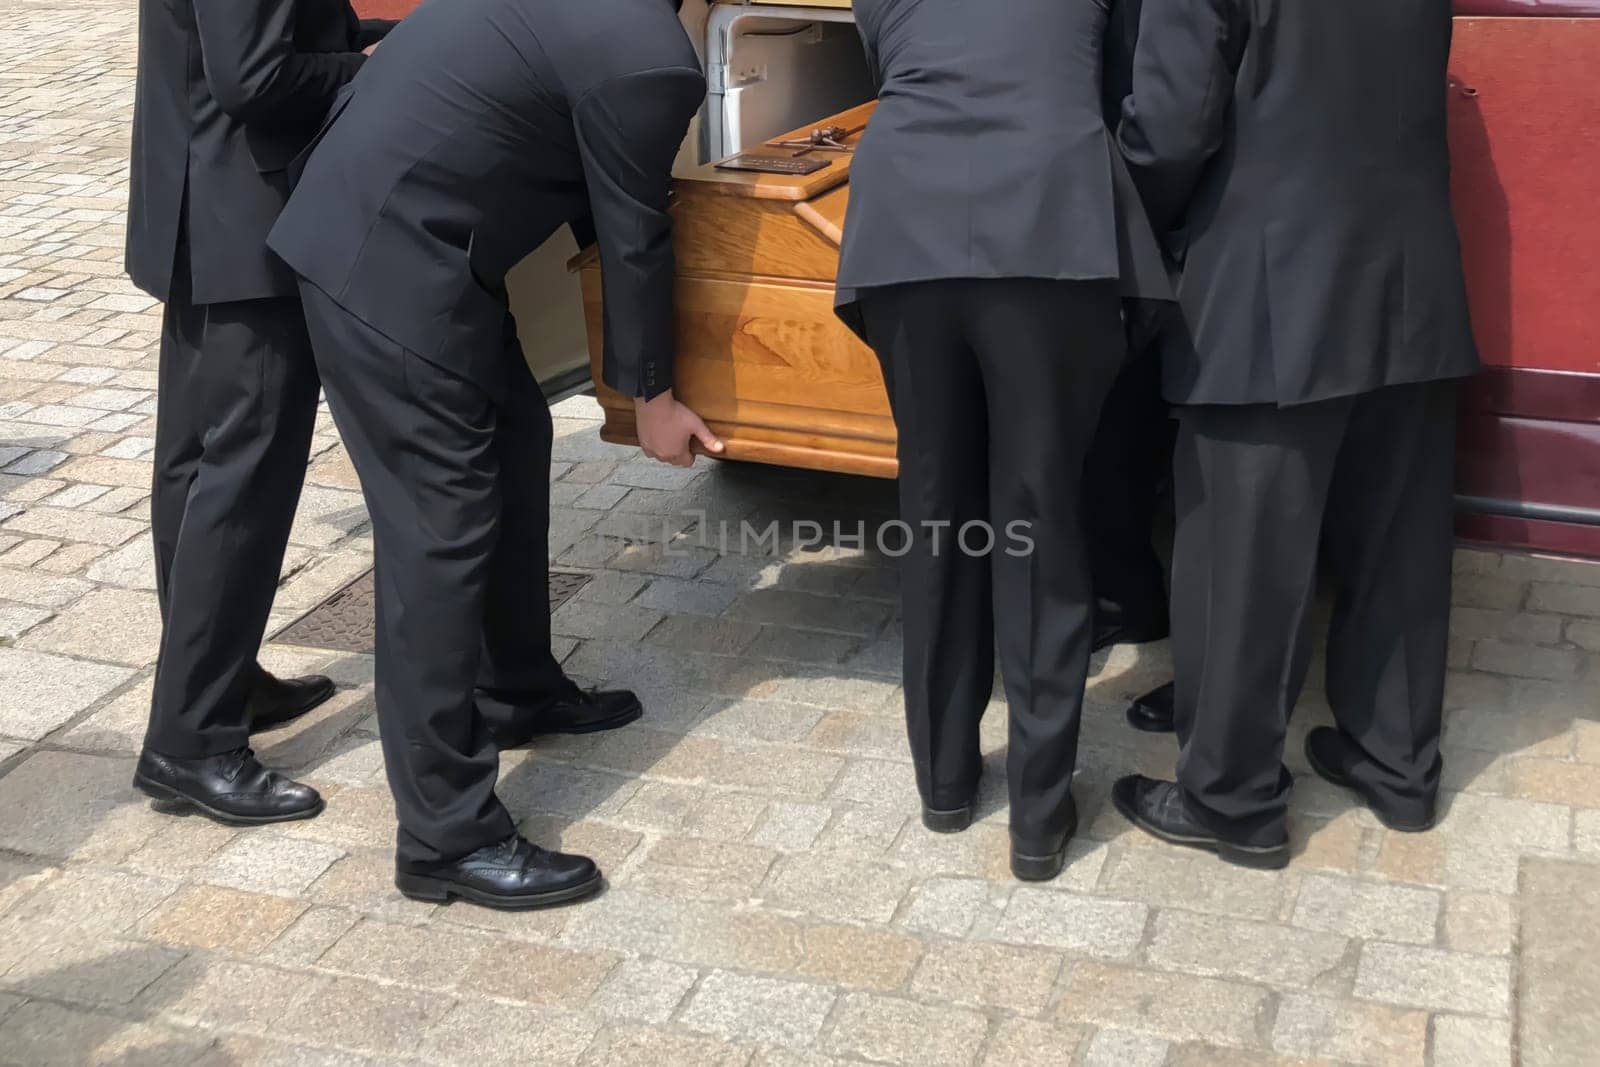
<point>254,70</point>
<point>629,129</point>
<point>1184,65</point>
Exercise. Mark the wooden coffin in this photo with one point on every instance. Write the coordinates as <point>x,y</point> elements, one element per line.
<point>760,354</point>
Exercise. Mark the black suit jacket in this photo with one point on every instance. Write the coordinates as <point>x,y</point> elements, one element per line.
<point>228,91</point>
<point>989,155</point>
<point>476,131</point>
<point>1296,155</point>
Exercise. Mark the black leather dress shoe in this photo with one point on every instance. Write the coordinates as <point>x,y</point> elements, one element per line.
<point>232,788</point>
<point>1152,713</point>
<point>513,875</point>
<point>279,701</point>
<point>1041,861</point>
<point>1338,759</point>
<point>579,711</point>
<point>1158,809</point>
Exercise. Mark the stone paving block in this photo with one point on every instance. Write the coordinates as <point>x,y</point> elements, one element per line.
<point>40,1033</point>
<point>424,956</point>
<point>64,805</point>
<point>1489,591</point>
<point>222,920</point>
<point>739,1007</point>
<point>851,733</point>
<point>364,882</point>
<point>699,869</point>
<point>1484,924</point>
<point>810,611</point>
<point>1417,977</point>
<point>540,974</point>
<point>264,862</point>
<point>17,619</point>
<point>132,566</point>
<point>1527,661</point>
<point>792,827</point>
<point>72,559</point>
<point>1273,955</point>
<point>1173,1006</point>
<point>1461,1041</point>
<point>1584,634</point>
<point>308,937</point>
<point>44,692</point>
<point>879,783</point>
<point>704,934</point>
<point>67,525</point>
<point>889,1030</point>
<point>1556,782</point>
<point>979,975</point>
<point>840,889</point>
<point>636,1046</point>
<point>952,907</point>
<point>864,832</point>
<point>1558,979</point>
<point>1034,1043</point>
<point>1519,733</point>
<point>983,851</point>
<point>221,994</point>
<point>1586,832</point>
<point>41,590</point>
<point>1180,879</point>
<point>642,991</point>
<point>609,846</point>
<point>758,720</point>
<point>1117,1048</point>
<point>93,902</point>
<point>478,1032</point>
<point>859,957</point>
<point>114,625</point>
<point>1529,628</point>
<point>803,646</point>
<point>1565,598</point>
<point>697,633</point>
<point>681,597</point>
<point>1368,910</point>
<point>784,772</point>
<point>1107,929</point>
<point>88,968</point>
<point>354,1013</point>
<point>1349,1032</point>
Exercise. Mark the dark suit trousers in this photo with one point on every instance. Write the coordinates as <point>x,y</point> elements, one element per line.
<point>457,483</point>
<point>996,387</point>
<point>237,403</point>
<point>1131,455</point>
<point>1257,487</point>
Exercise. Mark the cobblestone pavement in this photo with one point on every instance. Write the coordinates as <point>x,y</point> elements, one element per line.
<point>772,898</point>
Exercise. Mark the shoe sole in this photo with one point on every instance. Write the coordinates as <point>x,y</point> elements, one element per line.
<point>953,821</point>
<point>442,891</point>
<point>1333,777</point>
<point>169,801</point>
<point>1256,857</point>
<point>300,710</point>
